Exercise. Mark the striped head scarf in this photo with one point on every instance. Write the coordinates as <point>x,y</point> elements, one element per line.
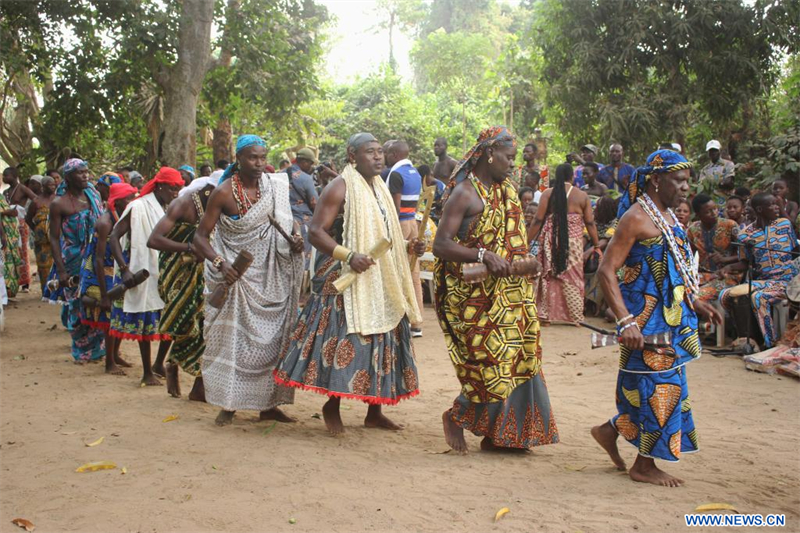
<point>488,138</point>
<point>659,162</point>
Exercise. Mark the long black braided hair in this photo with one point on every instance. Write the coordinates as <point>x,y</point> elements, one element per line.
<point>559,209</point>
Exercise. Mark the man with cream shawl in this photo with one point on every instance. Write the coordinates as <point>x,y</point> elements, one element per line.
<point>357,344</point>
<point>137,317</point>
<point>247,334</point>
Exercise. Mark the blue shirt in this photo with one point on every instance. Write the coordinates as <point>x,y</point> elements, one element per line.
<point>624,174</point>
<point>301,192</point>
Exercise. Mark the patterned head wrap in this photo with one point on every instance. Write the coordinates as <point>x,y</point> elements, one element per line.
<point>74,164</point>
<point>120,190</point>
<point>110,178</point>
<point>488,138</point>
<point>167,176</point>
<point>244,141</point>
<point>659,162</point>
<point>189,169</point>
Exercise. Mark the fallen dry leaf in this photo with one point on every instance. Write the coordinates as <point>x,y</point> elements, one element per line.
<point>124,470</point>
<point>715,507</point>
<point>574,468</point>
<point>501,513</point>
<point>170,418</point>
<point>27,525</point>
<point>96,443</point>
<point>94,467</point>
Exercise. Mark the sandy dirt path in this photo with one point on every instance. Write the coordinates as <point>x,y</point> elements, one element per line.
<point>188,475</point>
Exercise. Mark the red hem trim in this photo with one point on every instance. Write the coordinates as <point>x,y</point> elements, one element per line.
<point>133,337</point>
<point>372,400</point>
<point>105,326</point>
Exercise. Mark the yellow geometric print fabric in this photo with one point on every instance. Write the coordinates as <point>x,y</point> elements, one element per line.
<point>491,328</point>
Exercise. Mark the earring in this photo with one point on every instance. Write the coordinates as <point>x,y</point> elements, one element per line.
<point>490,160</point>
<point>656,189</point>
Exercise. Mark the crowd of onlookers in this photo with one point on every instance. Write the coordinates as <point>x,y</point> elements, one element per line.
<point>737,234</point>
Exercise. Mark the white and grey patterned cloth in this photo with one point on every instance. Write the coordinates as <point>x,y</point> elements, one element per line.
<point>245,338</point>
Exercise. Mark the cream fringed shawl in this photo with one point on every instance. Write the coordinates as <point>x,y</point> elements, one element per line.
<point>382,295</point>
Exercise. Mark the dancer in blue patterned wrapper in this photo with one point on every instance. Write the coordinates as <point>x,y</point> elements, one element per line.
<point>658,294</point>
<point>72,217</point>
<point>98,259</point>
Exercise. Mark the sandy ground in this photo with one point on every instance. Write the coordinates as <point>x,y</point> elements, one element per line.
<point>188,475</point>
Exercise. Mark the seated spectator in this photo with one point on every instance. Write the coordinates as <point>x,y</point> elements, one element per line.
<point>605,217</point>
<point>713,239</point>
<point>684,213</point>
<point>789,208</point>
<point>734,210</point>
<point>768,243</point>
<point>525,197</point>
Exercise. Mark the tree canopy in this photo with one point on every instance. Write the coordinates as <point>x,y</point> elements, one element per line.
<point>146,82</point>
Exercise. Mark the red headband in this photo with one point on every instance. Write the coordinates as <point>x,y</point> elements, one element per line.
<point>167,176</point>
<point>118,191</point>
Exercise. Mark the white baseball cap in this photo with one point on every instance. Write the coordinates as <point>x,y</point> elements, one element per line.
<point>677,147</point>
<point>713,145</point>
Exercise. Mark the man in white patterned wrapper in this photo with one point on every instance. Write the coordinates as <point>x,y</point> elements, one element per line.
<point>247,333</point>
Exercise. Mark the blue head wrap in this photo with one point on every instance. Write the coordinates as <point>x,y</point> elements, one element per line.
<point>189,169</point>
<point>244,141</point>
<point>109,178</point>
<point>659,162</point>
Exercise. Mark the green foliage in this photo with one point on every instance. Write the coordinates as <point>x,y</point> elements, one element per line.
<point>639,71</point>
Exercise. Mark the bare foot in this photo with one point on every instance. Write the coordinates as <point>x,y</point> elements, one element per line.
<point>80,362</point>
<point>159,371</point>
<point>606,437</point>
<point>376,419</point>
<point>488,446</point>
<point>173,382</point>
<point>150,380</point>
<point>224,418</point>
<point>644,470</point>
<point>198,392</point>
<point>114,370</point>
<point>332,417</point>
<point>122,362</point>
<point>454,434</point>
<point>277,415</point>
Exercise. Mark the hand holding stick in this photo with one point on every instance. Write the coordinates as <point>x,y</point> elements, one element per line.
<point>377,251</point>
<point>240,265</point>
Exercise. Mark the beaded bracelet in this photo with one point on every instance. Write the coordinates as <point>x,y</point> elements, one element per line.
<point>217,262</point>
<point>626,326</point>
<point>623,319</point>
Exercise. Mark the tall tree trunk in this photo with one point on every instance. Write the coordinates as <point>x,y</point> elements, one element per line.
<point>183,81</point>
<point>222,145</point>
<point>223,139</point>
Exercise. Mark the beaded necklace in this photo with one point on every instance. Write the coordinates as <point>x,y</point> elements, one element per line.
<point>240,196</point>
<point>684,266</point>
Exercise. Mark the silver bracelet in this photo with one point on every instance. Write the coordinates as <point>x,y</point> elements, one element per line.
<point>481,252</point>
<point>623,319</point>
<point>628,325</point>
